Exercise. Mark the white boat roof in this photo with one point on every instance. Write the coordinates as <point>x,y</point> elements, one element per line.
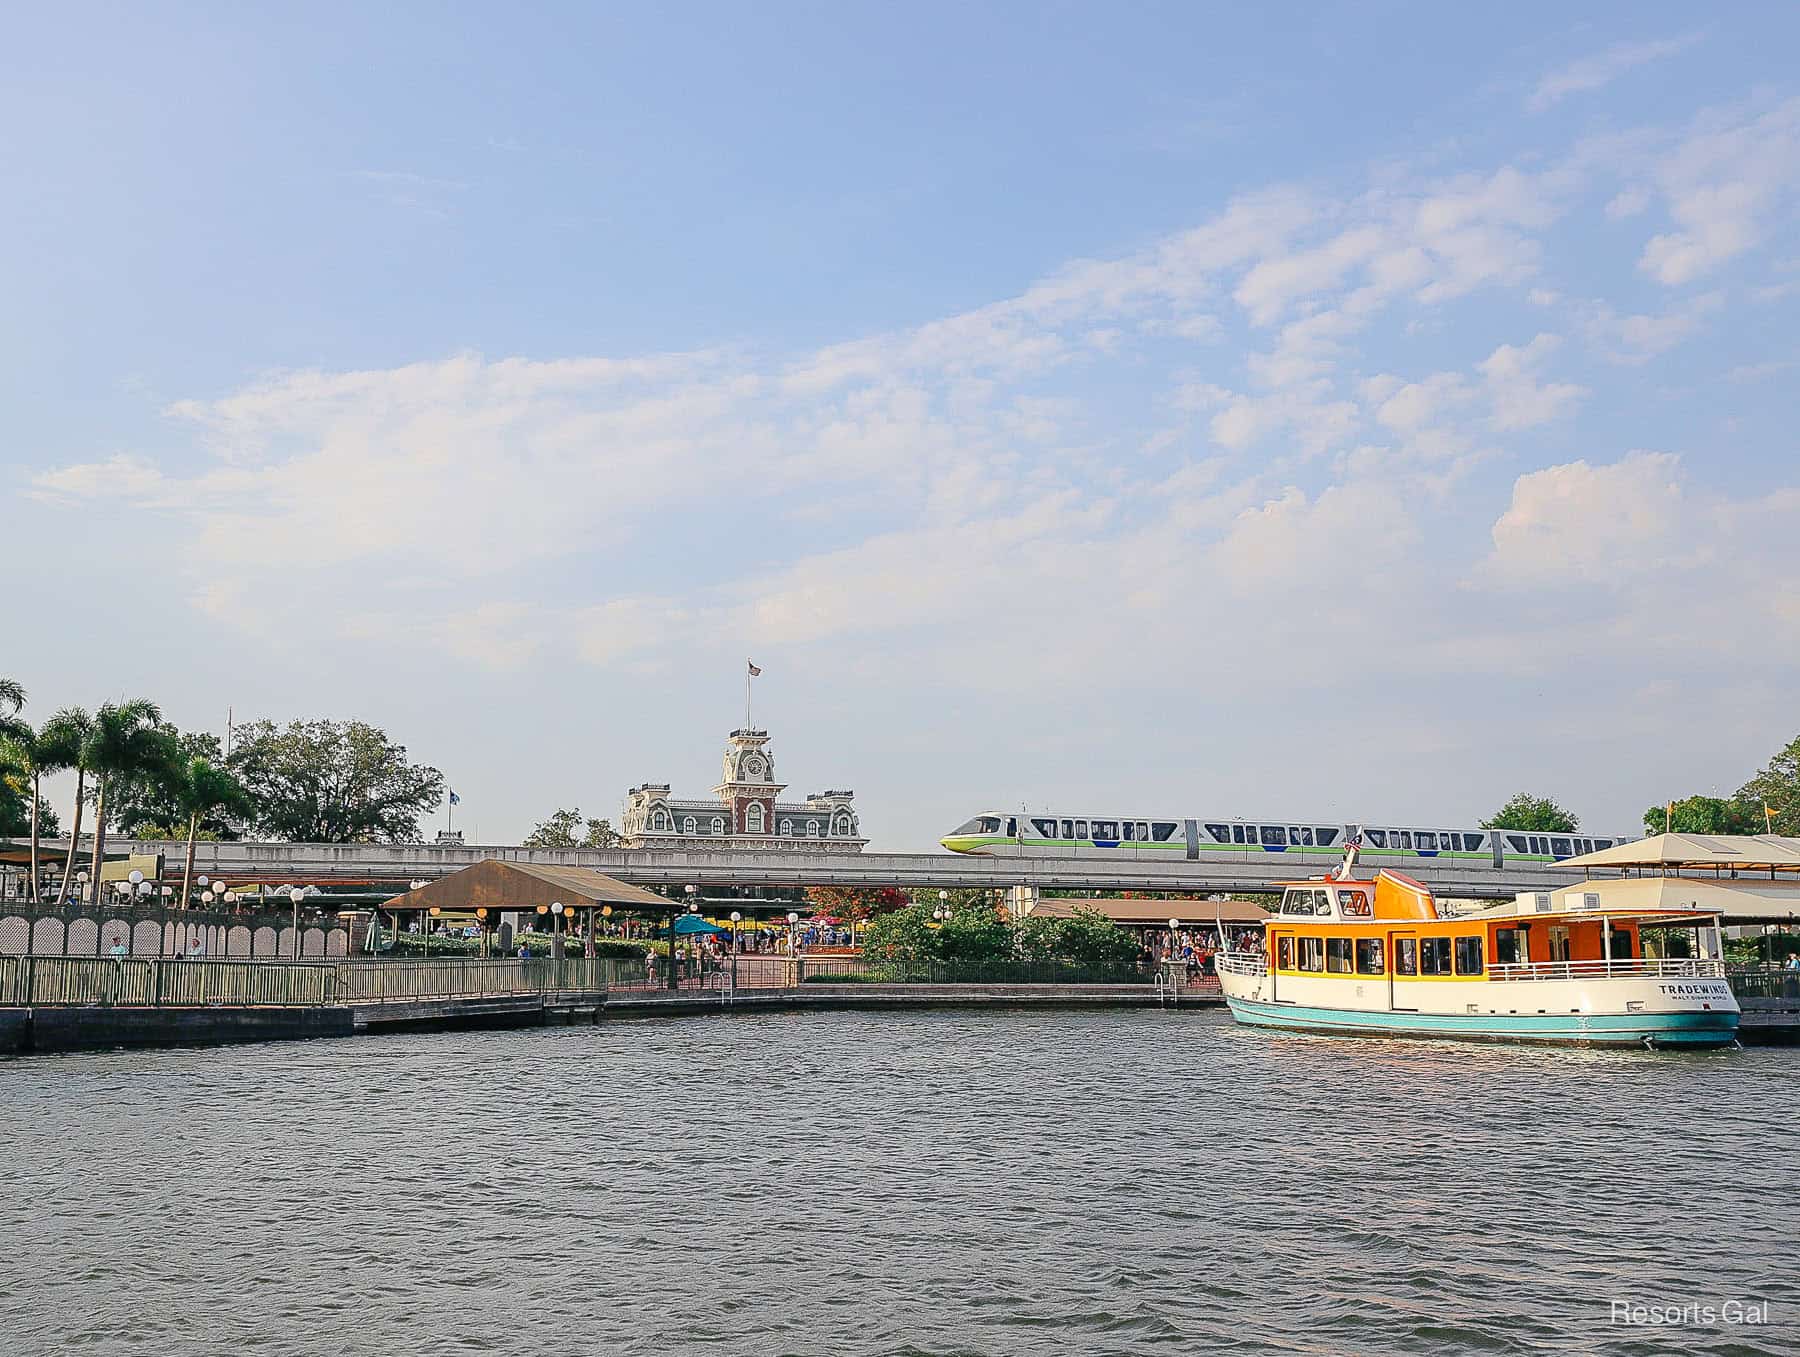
<point>1737,900</point>
<point>1752,852</point>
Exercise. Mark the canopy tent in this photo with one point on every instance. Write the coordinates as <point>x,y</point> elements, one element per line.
<point>693,923</point>
<point>495,885</point>
<point>1713,853</point>
<point>1738,900</point>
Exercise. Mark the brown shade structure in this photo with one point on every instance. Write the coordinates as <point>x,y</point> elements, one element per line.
<point>1155,913</point>
<point>496,885</point>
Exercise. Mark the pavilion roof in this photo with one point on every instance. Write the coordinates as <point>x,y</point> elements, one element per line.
<point>494,884</point>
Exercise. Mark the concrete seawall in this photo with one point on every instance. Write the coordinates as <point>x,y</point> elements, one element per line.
<point>25,1030</point>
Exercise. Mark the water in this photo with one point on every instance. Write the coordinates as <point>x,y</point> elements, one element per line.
<point>904,1183</point>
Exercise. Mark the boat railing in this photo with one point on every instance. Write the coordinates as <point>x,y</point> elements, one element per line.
<point>1632,967</point>
<point>1241,963</point>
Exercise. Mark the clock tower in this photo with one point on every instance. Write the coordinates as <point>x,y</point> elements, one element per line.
<point>749,787</point>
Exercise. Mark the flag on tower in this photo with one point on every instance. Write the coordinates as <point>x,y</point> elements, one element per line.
<point>755,671</point>
<point>455,800</point>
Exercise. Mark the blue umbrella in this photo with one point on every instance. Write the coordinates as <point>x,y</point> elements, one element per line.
<point>693,923</point>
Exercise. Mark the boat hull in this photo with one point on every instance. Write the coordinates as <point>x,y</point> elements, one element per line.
<point>1687,1030</point>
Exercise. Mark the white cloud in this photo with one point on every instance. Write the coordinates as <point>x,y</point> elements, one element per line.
<point>1519,400</point>
<point>1593,72</point>
<point>1722,185</point>
<point>1581,525</point>
<point>1633,339</point>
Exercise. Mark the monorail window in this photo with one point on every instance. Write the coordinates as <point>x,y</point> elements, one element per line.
<point>1046,828</point>
<point>1406,956</point>
<point>1468,956</point>
<point>1402,838</point>
<point>1129,835</point>
<point>1472,843</point>
<point>1274,836</point>
<point>1312,954</point>
<point>1377,837</point>
<point>1302,835</point>
<point>1237,833</point>
<point>1106,829</point>
<point>1219,833</point>
<point>1337,955</point>
<point>1425,839</point>
<point>1602,843</point>
<point>1518,843</point>
<point>1368,957</point>
<point>1560,847</point>
<point>1162,831</point>
<point>1143,832</point>
<point>1327,836</point>
<point>1068,829</point>
<point>1284,954</point>
<point>1434,956</point>
<point>990,824</point>
<point>1080,829</point>
<point>1506,947</point>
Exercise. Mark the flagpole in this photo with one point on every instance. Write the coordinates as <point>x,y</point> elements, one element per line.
<point>746,695</point>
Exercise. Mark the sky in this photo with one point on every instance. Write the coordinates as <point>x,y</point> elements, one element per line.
<point>1342,411</point>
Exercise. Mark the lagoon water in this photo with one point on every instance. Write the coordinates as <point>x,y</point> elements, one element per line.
<point>894,1183</point>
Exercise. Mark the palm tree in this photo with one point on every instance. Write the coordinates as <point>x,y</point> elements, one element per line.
<point>124,741</point>
<point>12,697</point>
<point>202,787</point>
<point>38,753</point>
<point>75,727</point>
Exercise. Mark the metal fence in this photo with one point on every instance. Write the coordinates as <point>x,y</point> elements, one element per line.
<point>1764,982</point>
<point>149,982</point>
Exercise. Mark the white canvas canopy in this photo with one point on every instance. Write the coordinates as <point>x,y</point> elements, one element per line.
<point>1713,853</point>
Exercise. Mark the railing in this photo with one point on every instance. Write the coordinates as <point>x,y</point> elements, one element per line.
<point>373,982</point>
<point>139,982</point>
<point>1764,982</point>
<point>1241,963</point>
<point>1623,968</point>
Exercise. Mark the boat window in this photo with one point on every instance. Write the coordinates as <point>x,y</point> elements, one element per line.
<point>1337,955</point>
<point>1162,831</point>
<point>1368,957</point>
<point>1327,836</point>
<point>1047,828</point>
<point>1506,947</point>
<point>1425,839</point>
<point>1468,956</point>
<point>1284,954</point>
<point>1312,954</point>
<point>1406,956</point>
<point>1106,829</point>
<point>1434,956</point>
<point>1354,904</point>
<point>1518,843</point>
<point>1560,847</point>
<point>1274,836</point>
<point>1220,833</point>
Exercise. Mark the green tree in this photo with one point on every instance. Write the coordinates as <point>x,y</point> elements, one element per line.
<point>12,697</point>
<point>1777,787</point>
<point>904,935</point>
<point>35,754</point>
<point>1705,815</point>
<point>1088,940</point>
<point>975,932</point>
<point>74,727</point>
<point>1533,814</point>
<point>122,744</point>
<point>332,782</point>
<point>566,829</point>
<point>148,804</point>
<point>202,790</point>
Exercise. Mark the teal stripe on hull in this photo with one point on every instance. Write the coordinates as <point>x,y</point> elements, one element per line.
<point>1688,1030</point>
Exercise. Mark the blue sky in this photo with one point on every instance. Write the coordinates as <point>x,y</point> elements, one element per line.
<point>1357,410</point>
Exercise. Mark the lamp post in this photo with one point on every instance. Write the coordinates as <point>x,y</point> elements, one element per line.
<point>793,933</point>
<point>556,937</point>
<point>736,919</point>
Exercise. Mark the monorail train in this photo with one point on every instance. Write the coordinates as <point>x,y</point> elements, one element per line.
<point>1022,834</point>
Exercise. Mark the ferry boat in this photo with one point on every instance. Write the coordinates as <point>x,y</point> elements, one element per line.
<point>1374,957</point>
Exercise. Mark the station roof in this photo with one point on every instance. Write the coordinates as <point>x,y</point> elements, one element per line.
<point>1713,852</point>
<point>516,885</point>
<point>1138,913</point>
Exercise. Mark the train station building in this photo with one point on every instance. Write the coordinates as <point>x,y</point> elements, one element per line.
<point>744,810</point>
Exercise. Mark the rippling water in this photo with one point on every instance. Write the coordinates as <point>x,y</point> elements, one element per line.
<point>945,1182</point>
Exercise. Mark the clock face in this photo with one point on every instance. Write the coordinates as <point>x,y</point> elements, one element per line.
<point>753,768</point>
